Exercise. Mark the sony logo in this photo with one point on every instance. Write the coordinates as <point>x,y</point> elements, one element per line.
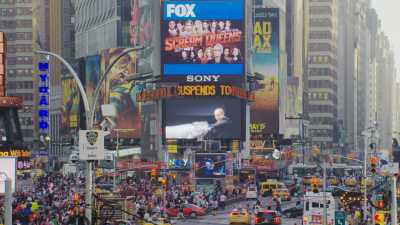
<point>181,10</point>
<point>202,78</point>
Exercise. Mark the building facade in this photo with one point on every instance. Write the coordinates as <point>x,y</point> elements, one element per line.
<point>16,22</point>
<point>322,72</point>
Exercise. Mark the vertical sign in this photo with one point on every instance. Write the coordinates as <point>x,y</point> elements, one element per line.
<point>202,40</point>
<point>44,81</point>
<point>264,115</point>
<point>2,64</point>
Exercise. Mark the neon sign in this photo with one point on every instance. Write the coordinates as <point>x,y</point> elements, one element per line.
<point>43,113</point>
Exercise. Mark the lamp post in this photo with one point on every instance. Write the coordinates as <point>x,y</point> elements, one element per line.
<point>7,199</point>
<point>89,114</point>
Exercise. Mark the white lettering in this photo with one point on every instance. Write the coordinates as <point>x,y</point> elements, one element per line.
<point>203,78</point>
<point>181,10</point>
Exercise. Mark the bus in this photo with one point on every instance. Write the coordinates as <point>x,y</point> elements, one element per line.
<point>313,210</point>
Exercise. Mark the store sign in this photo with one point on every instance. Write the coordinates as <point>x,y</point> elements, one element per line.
<point>2,64</point>
<point>44,81</point>
<point>195,91</point>
<point>179,164</point>
<point>23,157</point>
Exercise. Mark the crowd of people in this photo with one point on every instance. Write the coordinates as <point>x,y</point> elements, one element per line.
<point>52,201</point>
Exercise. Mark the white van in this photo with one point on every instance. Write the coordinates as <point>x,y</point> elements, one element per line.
<point>313,211</point>
<point>251,192</point>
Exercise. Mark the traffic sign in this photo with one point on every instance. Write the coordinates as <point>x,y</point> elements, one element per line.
<point>91,145</point>
<point>340,218</point>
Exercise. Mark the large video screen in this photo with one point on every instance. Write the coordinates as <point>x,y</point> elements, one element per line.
<point>207,118</point>
<point>210,165</point>
<point>203,39</point>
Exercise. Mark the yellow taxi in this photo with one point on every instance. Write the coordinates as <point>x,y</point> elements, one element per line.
<point>157,221</point>
<point>309,180</point>
<point>282,193</point>
<point>270,186</point>
<point>333,180</point>
<point>350,181</point>
<point>239,216</point>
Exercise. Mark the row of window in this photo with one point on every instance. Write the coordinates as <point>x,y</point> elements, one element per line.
<point>12,24</point>
<point>321,108</point>
<point>92,12</point>
<point>27,60</point>
<point>21,72</point>
<point>321,84</point>
<point>321,47</point>
<point>20,84</point>
<point>26,121</point>
<point>322,59</point>
<point>321,133</point>
<point>21,11</point>
<point>12,49</point>
<point>322,72</point>
<point>321,10</point>
<point>25,96</point>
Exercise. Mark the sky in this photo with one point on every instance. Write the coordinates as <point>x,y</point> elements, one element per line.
<point>388,12</point>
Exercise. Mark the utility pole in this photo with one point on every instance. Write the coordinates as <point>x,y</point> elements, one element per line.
<point>8,201</point>
<point>325,212</point>
<point>394,198</point>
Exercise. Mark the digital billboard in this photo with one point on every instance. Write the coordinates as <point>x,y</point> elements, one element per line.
<point>202,40</point>
<point>120,92</point>
<point>208,118</point>
<point>264,115</point>
<point>210,165</point>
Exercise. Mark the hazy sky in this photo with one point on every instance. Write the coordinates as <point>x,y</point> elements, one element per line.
<point>388,11</point>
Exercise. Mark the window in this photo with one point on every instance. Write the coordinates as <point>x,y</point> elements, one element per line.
<point>307,206</point>
<point>315,205</point>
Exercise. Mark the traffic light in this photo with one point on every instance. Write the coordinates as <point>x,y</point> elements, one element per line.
<point>373,161</point>
<point>315,188</point>
<point>379,218</point>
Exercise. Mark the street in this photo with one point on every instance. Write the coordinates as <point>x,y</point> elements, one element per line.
<point>222,216</point>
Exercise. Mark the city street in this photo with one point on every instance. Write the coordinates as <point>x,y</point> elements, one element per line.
<point>222,216</point>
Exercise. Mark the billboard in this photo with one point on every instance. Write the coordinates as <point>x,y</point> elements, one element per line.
<point>208,118</point>
<point>202,41</point>
<point>23,155</point>
<point>210,165</point>
<point>70,107</point>
<point>92,78</point>
<point>264,115</point>
<point>120,92</point>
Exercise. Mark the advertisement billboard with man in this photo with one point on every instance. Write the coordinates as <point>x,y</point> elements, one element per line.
<point>207,118</point>
<point>210,165</point>
<point>264,115</point>
<point>202,40</point>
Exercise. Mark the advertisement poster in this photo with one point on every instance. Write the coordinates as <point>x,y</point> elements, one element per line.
<point>92,78</point>
<point>121,93</point>
<point>202,40</point>
<point>207,118</point>
<point>141,29</point>
<point>70,107</point>
<point>264,115</point>
<point>210,165</point>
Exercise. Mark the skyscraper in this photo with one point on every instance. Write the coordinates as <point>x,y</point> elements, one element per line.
<point>16,22</point>
<point>322,71</point>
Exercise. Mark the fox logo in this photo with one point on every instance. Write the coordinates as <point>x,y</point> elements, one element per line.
<point>181,10</point>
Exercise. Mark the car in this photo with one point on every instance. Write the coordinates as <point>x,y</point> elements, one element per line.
<point>332,180</point>
<point>350,181</point>
<point>293,212</point>
<point>251,192</point>
<point>282,193</point>
<point>239,216</point>
<point>189,210</point>
<point>267,217</point>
